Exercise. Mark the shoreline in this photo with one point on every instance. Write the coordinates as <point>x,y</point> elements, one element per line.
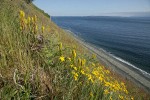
<point>123,68</point>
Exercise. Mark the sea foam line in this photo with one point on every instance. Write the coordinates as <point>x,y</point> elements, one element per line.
<point>128,63</point>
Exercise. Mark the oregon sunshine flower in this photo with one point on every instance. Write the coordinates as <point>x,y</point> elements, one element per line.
<point>62,58</point>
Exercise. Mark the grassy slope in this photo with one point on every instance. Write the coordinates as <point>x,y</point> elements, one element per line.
<point>26,74</point>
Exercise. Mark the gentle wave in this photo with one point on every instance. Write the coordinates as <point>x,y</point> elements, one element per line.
<point>133,66</point>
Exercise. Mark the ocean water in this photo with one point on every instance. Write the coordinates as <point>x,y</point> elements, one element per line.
<point>127,38</point>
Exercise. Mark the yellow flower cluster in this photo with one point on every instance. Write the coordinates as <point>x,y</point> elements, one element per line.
<point>75,75</point>
<point>22,14</point>
<point>34,21</point>
<point>102,74</point>
<point>90,72</point>
<point>82,70</point>
<point>22,20</point>
<point>29,23</point>
<point>81,62</point>
<point>96,74</point>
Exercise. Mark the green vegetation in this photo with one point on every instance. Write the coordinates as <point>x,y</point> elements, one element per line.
<point>28,1</point>
<point>38,60</point>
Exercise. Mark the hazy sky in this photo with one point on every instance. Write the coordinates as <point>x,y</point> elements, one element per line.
<point>91,7</point>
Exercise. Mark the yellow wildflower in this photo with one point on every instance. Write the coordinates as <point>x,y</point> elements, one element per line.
<point>120,97</point>
<point>126,91</point>
<point>110,98</point>
<point>96,73</point>
<point>106,91</point>
<point>43,29</point>
<point>93,64</point>
<point>75,68</point>
<point>74,53</point>
<point>91,94</point>
<point>75,78</point>
<point>75,75</point>
<point>22,14</point>
<point>107,84</point>
<point>83,62</point>
<point>107,71</point>
<point>101,79</point>
<point>82,72</point>
<point>62,59</point>
<point>90,78</point>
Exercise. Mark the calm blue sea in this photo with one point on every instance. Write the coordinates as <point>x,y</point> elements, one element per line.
<point>125,37</point>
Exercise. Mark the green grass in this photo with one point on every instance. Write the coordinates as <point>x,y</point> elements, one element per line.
<point>32,69</point>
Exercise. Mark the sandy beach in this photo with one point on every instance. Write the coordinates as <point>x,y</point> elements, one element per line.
<point>139,77</point>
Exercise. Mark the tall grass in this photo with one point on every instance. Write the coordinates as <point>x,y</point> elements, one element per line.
<point>73,77</point>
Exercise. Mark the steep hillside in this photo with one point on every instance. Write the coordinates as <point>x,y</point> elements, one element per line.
<point>20,52</point>
<point>38,60</point>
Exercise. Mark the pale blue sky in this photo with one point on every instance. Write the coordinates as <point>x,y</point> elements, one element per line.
<point>92,7</point>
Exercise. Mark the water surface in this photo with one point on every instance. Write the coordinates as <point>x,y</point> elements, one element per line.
<point>125,37</point>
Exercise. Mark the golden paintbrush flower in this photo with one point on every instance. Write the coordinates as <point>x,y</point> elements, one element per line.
<point>43,28</point>
<point>82,72</point>
<point>121,97</point>
<point>106,91</point>
<point>74,53</point>
<point>75,68</point>
<point>22,20</point>
<point>32,18</point>
<point>75,75</point>
<point>83,61</point>
<point>22,14</point>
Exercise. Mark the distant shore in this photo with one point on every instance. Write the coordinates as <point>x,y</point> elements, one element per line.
<point>125,70</point>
